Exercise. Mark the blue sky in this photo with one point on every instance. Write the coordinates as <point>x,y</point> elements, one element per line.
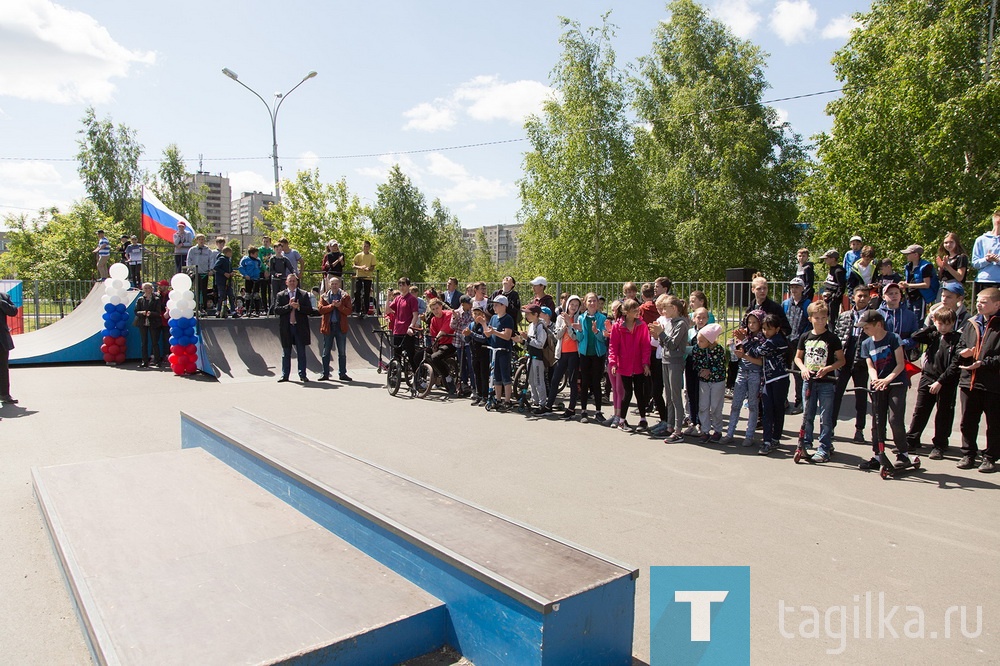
<point>393,77</point>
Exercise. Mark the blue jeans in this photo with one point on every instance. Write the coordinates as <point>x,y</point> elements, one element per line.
<point>819,394</point>
<point>300,354</point>
<point>334,338</point>
<point>747,387</point>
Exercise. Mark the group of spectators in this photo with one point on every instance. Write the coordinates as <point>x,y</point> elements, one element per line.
<point>868,325</point>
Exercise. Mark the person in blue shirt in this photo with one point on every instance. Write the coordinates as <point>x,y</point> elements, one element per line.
<point>500,331</point>
<point>103,251</point>
<point>251,269</point>
<point>986,257</point>
<point>920,283</point>
<point>898,319</point>
<point>224,283</point>
<point>853,254</point>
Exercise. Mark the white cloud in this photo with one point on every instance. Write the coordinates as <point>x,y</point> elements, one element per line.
<point>738,15</point>
<point>840,28</point>
<point>483,98</point>
<point>792,20</point>
<point>490,98</point>
<point>380,171</point>
<point>307,160</point>
<point>429,118</point>
<point>53,54</point>
<point>29,173</point>
<point>249,181</point>
<point>26,187</point>
<point>782,115</point>
<point>461,186</point>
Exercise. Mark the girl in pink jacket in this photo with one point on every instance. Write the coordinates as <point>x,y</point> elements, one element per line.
<point>628,357</point>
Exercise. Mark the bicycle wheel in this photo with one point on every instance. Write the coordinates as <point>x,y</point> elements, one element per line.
<point>521,380</point>
<point>393,376</point>
<point>423,380</point>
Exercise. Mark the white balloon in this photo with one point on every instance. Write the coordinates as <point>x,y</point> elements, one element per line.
<point>181,281</point>
<point>114,300</point>
<point>174,312</point>
<point>107,282</point>
<point>118,271</point>
<point>186,304</point>
<point>187,294</point>
<point>187,314</point>
<point>105,299</point>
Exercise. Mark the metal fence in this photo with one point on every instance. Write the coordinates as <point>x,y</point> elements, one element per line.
<point>47,301</point>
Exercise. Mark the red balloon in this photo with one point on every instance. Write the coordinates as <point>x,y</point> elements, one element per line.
<point>120,358</point>
<point>104,349</point>
<point>177,370</point>
<point>108,358</point>
<point>107,339</point>
<point>175,349</point>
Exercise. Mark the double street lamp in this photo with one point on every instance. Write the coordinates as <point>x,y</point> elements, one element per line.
<point>272,110</point>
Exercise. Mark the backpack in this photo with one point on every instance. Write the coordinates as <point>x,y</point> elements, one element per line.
<point>916,275</point>
<point>549,350</point>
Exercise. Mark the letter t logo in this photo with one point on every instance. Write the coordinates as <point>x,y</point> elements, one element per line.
<point>701,610</point>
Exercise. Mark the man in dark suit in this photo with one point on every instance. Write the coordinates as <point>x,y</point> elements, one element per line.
<point>7,309</point>
<point>452,294</point>
<point>293,307</point>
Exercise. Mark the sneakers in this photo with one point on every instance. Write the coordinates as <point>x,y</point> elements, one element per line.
<point>584,418</point>
<point>967,462</point>
<point>987,466</point>
<point>726,440</point>
<point>704,438</point>
<point>643,425</point>
<point>859,435</point>
<point>568,415</point>
<point>623,425</point>
<point>476,402</point>
<point>795,409</point>
<point>615,420</point>
<point>821,457</point>
<point>716,436</point>
<point>599,417</point>
<point>660,429</point>
<point>765,449</point>
<point>345,378</point>
<point>674,437</point>
<point>692,431</point>
<point>936,454</point>
<point>902,460</point>
<point>871,464</point>
<point>748,442</point>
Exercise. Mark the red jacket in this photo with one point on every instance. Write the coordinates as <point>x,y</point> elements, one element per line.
<point>325,307</point>
<point>629,349</point>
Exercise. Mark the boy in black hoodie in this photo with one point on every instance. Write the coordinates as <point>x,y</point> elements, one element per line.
<point>979,381</point>
<point>938,382</point>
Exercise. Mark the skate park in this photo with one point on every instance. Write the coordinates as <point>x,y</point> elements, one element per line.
<point>816,537</point>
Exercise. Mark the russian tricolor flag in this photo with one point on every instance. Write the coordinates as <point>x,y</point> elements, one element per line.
<point>159,220</point>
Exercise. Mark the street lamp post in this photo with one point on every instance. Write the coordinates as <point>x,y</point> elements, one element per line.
<point>272,110</point>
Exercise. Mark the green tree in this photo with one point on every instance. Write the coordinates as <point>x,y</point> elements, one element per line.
<point>722,170</point>
<point>582,194</point>
<point>313,213</point>
<point>405,235</point>
<point>57,244</point>
<point>483,265</point>
<point>171,184</point>
<point>914,146</point>
<point>452,256</point>
<point>109,168</point>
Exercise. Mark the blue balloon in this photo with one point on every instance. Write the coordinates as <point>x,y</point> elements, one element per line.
<point>108,307</point>
<point>121,307</point>
<point>106,317</point>
<point>173,341</point>
<point>108,333</point>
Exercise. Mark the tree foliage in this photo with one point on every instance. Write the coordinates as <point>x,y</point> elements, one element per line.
<point>313,213</point>
<point>57,245</point>
<point>452,255</point>
<point>914,146</point>
<point>109,168</point>
<point>582,194</point>
<point>406,236</point>
<point>722,170</point>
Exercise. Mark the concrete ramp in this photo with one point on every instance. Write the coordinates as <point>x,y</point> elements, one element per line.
<point>175,558</point>
<point>249,349</point>
<point>75,338</point>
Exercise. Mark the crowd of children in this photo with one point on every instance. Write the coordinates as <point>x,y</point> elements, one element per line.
<point>655,349</point>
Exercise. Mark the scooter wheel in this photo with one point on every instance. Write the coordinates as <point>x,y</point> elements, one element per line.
<point>916,463</point>
<point>884,473</point>
<point>798,455</point>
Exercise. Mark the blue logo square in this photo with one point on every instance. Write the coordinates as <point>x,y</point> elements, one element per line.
<point>699,615</point>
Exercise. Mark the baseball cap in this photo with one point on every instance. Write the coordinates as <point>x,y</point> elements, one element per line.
<point>891,284</point>
<point>163,283</point>
<point>546,310</point>
<point>796,282</point>
<point>540,280</point>
<point>910,249</point>
<point>954,287</point>
<point>533,309</point>
<point>871,317</point>
<point>501,300</point>
<point>855,238</point>
<point>831,253</point>
<point>181,223</point>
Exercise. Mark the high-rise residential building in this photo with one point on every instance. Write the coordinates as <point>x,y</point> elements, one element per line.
<point>215,203</point>
<point>501,239</point>
<point>246,219</point>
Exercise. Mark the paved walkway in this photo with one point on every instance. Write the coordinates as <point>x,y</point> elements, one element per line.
<point>814,535</point>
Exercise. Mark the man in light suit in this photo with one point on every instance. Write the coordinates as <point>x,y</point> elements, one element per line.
<point>7,309</point>
<point>293,307</point>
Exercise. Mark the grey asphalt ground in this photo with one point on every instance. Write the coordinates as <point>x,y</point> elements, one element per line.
<point>819,536</point>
